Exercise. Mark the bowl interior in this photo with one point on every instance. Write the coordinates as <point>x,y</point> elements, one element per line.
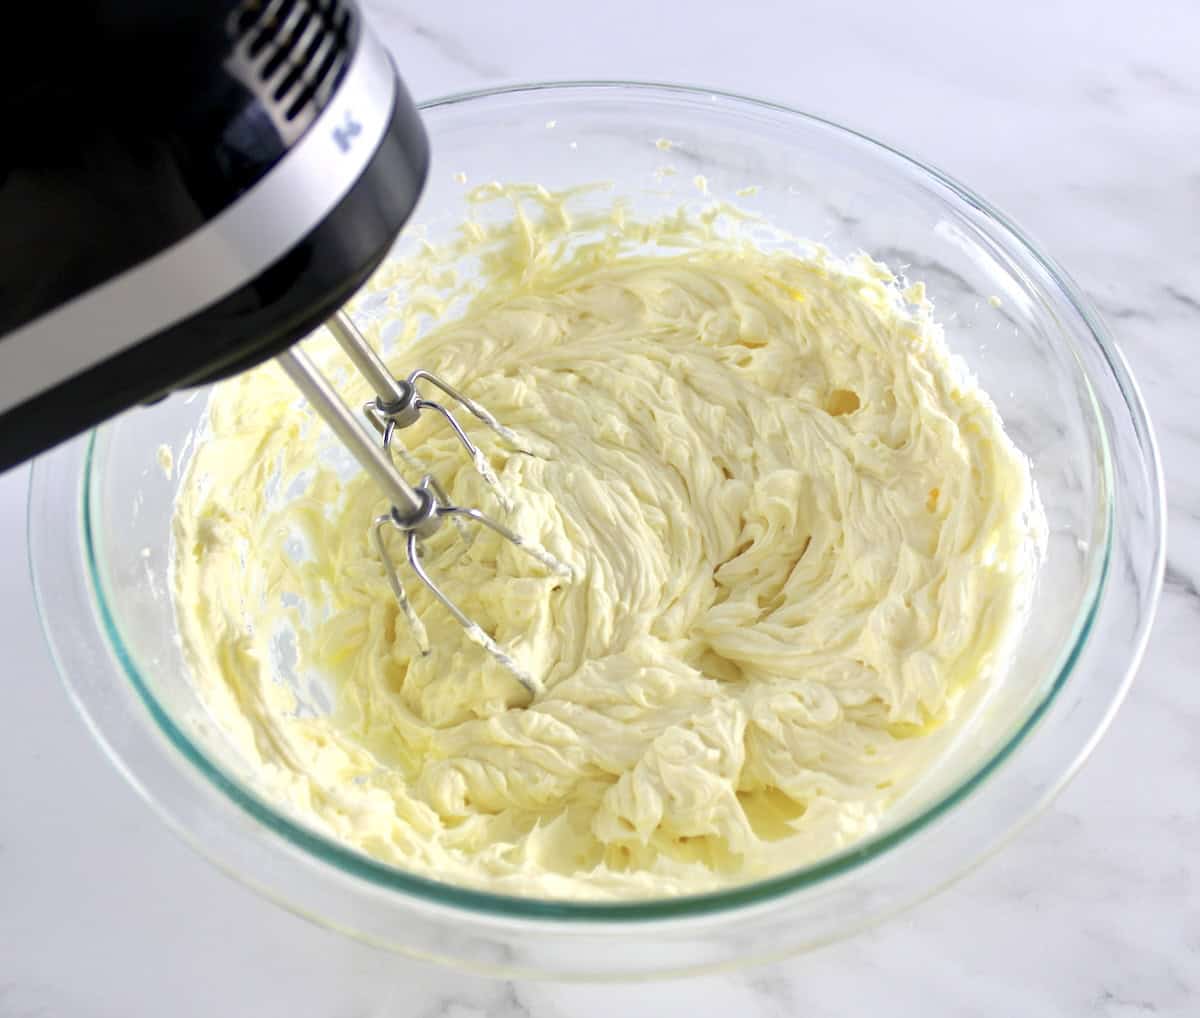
<point>663,148</point>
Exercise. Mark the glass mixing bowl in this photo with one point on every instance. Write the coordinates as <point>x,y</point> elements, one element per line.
<point>1038,348</point>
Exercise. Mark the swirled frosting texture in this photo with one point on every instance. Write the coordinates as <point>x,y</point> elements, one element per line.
<point>798,530</point>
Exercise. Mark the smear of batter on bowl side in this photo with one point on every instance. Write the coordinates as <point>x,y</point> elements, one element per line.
<point>798,529</point>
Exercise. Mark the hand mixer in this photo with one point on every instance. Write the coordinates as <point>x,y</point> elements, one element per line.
<point>188,189</point>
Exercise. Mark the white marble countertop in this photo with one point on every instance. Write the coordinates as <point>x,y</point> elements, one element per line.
<point>1080,119</point>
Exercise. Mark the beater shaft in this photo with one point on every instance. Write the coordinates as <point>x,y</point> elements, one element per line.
<point>317,390</point>
<point>370,365</point>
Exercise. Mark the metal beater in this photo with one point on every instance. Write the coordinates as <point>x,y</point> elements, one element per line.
<point>417,512</point>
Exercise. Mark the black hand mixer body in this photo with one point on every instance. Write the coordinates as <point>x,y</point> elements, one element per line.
<point>186,189</point>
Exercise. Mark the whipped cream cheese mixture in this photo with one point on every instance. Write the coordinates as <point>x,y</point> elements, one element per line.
<point>798,532</point>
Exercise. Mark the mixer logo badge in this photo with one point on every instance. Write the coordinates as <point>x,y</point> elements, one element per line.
<point>347,132</point>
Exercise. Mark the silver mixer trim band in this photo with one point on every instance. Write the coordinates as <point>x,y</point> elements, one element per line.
<point>262,225</point>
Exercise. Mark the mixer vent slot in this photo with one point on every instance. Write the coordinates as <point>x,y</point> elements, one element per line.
<point>294,50</point>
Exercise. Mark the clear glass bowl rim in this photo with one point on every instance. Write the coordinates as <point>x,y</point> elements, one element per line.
<point>381,875</point>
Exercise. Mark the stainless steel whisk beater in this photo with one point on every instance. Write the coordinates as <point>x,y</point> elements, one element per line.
<point>418,511</point>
